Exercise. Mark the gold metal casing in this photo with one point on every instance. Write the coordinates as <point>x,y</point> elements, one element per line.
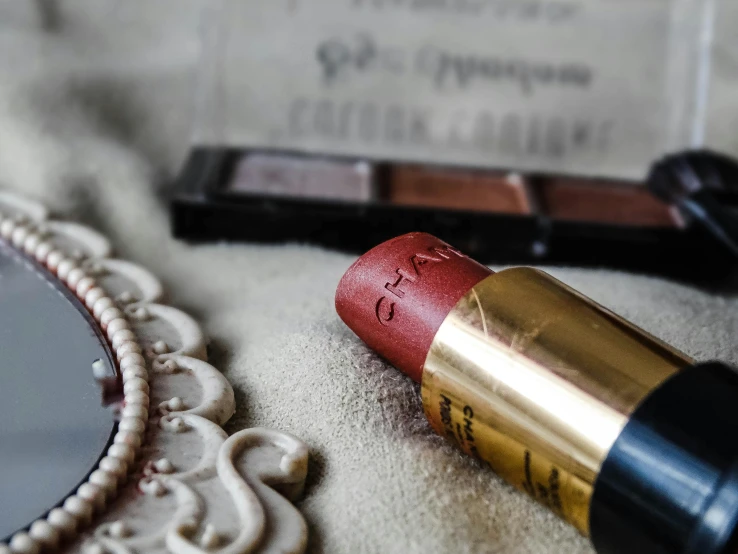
<point>538,381</point>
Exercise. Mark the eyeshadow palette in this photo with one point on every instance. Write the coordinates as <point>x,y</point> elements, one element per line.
<point>498,217</point>
<point>520,131</point>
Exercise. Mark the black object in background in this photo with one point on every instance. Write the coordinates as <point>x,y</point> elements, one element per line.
<point>702,185</point>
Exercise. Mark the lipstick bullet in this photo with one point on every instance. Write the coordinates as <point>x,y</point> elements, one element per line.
<point>619,434</point>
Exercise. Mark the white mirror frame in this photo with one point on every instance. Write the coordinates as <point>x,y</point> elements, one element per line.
<point>172,480</point>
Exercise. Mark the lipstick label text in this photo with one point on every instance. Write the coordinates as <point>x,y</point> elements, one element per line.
<point>464,421</point>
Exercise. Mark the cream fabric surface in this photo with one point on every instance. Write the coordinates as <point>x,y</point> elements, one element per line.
<point>94,120</point>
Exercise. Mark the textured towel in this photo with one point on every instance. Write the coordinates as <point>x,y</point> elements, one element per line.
<point>95,121</point>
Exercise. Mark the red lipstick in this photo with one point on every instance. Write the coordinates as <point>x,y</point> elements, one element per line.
<point>406,286</point>
<point>616,432</point>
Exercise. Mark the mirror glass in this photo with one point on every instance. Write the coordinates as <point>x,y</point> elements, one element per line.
<point>53,425</point>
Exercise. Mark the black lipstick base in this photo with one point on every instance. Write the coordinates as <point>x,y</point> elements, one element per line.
<point>670,482</point>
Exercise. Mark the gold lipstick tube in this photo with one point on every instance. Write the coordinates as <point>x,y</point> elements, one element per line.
<point>616,432</point>
<point>538,381</point>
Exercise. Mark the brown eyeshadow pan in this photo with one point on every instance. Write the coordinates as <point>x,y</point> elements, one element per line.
<point>605,202</point>
<point>458,189</point>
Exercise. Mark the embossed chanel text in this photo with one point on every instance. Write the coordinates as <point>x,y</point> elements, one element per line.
<point>385,306</point>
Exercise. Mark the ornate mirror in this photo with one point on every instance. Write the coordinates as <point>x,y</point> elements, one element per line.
<point>55,426</point>
<point>110,437</point>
